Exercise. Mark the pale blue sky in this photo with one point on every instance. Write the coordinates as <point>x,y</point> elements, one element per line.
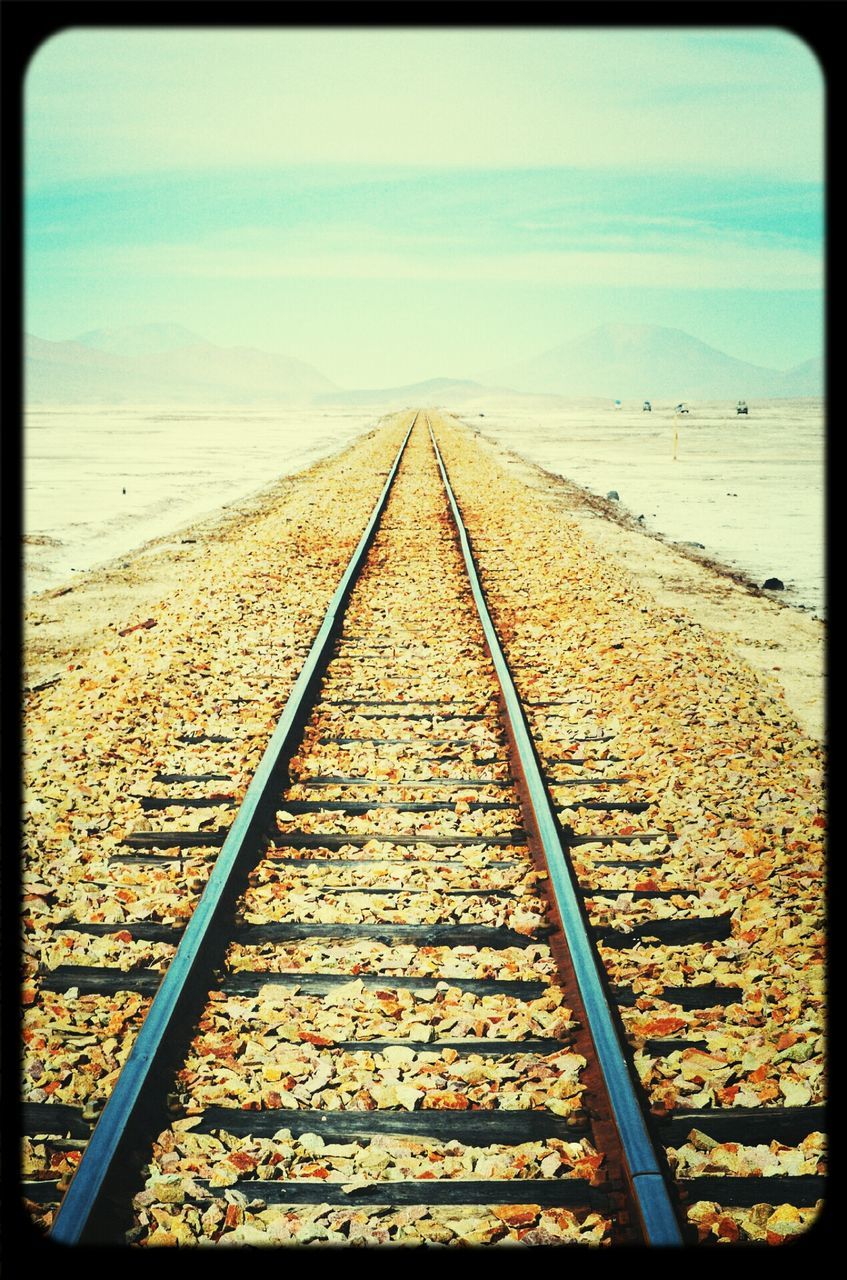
<point>398,204</point>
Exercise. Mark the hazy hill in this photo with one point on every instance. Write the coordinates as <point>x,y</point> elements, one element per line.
<point>432,391</point>
<point>155,363</point>
<point>650,361</point>
<point>141,339</point>
<point>806,379</point>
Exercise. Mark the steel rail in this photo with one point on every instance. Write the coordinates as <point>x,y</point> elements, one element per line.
<point>86,1212</point>
<point>659,1221</point>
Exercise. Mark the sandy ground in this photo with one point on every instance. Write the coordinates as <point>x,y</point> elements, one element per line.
<point>781,643</point>
<point>64,623</point>
<point>99,481</point>
<point>753,494</point>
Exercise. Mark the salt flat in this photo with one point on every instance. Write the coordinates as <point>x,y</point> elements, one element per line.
<point>100,481</point>
<point>749,489</point>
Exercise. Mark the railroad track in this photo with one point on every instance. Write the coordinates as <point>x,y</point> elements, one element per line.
<point>391,989</point>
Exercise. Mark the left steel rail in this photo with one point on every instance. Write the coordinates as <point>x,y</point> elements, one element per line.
<point>88,1211</point>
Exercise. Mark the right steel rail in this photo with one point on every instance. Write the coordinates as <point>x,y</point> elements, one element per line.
<point>649,1188</point>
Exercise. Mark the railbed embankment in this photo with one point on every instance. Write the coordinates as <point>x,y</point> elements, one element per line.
<point>784,644</point>
<point>199,693</point>
<point>736,794</point>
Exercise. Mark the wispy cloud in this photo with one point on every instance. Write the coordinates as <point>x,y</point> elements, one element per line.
<point>122,101</point>
<point>622,260</point>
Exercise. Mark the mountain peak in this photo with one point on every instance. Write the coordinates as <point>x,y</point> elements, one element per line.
<point>647,360</point>
<point>163,363</point>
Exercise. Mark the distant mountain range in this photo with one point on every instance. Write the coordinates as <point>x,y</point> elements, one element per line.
<point>163,363</point>
<point>166,363</point>
<point>651,362</point>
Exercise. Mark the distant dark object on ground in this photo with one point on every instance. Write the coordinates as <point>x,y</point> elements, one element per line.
<point>698,545</point>
<point>773,584</point>
<point>613,495</point>
<point>640,519</point>
<point>682,407</point>
<point>482,415</point>
<point>646,407</point>
<point>741,407</point>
